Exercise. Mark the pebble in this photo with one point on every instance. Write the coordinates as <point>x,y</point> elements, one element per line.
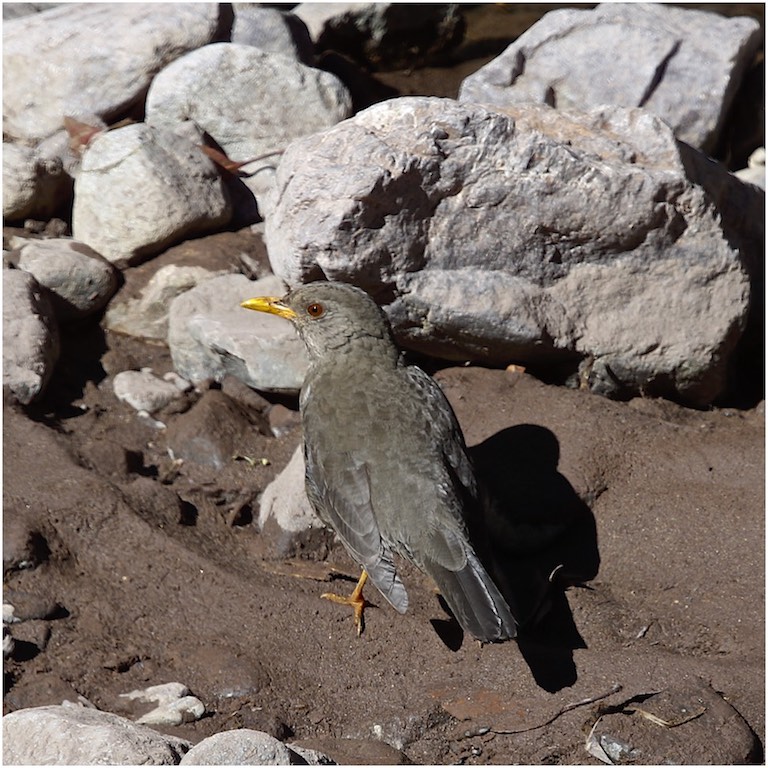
<point>8,643</point>
<point>285,501</point>
<point>146,392</point>
<point>174,704</point>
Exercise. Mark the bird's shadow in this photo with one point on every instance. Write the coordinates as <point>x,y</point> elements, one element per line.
<point>537,538</point>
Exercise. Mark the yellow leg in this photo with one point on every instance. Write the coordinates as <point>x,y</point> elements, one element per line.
<point>356,600</point>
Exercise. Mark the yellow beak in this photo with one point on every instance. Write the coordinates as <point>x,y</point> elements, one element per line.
<point>271,304</point>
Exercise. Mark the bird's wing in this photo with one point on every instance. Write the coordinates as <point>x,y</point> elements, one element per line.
<point>346,506</point>
<point>441,420</point>
<point>447,553</point>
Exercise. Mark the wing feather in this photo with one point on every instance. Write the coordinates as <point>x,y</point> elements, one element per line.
<point>346,506</point>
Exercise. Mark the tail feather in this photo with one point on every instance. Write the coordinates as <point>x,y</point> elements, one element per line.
<point>385,578</point>
<point>475,600</point>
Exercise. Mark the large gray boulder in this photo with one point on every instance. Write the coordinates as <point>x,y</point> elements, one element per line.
<point>250,101</point>
<point>592,242</point>
<point>75,735</point>
<point>683,65</point>
<point>142,188</point>
<point>30,336</point>
<point>92,58</point>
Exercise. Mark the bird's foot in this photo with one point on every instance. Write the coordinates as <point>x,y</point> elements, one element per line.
<point>356,600</point>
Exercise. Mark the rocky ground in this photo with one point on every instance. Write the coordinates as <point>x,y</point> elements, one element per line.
<point>127,568</point>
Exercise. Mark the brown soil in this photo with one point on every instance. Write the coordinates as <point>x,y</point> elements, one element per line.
<point>140,572</point>
<point>132,570</point>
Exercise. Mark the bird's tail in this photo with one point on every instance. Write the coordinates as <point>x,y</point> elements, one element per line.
<point>474,600</point>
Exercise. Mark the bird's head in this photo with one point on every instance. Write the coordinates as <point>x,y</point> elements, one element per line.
<point>330,316</point>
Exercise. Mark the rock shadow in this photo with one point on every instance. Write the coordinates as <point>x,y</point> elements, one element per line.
<point>538,538</point>
<point>83,344</point>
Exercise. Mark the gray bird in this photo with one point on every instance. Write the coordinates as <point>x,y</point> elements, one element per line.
<point>386,463</point>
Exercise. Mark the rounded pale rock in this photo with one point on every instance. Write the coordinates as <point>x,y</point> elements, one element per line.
<point>30,336</point>
<point>144,391</point>
<point>81,281</point>
<point>74,735</point>
<point>211,336</point>
<point>239,747</point>
<point>33,185</point>
<point>140,189</point>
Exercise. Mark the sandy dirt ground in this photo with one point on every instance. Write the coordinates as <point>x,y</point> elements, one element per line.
<point>145,572</point>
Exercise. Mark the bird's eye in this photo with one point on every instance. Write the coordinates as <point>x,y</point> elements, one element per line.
<point>315,310</point>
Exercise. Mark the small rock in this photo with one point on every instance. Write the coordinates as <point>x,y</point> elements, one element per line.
<point>76,735</point>
<point>147,316</point>
<point>282,420</point>
<point>174,704</point>
<point>285,501</point>
<point>33,186</point>
<point>754,173</point>
<point>211,336</point>
<point>241,746</point>
<point>144,391</point>
<point>8,643</point>
<point>142,188</point>
<point>272,31</point>
<point>80,281</point>
<point>30,336</point>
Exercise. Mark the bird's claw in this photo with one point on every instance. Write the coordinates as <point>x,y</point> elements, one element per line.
<point>356,600</point>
